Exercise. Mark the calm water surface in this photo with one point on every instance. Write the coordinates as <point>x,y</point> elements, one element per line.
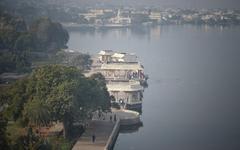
<point>193,98</point>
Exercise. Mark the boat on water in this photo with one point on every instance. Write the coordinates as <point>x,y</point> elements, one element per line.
<point>124,76</point>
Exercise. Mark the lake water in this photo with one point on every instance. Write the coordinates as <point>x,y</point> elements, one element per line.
<point>193,98</point>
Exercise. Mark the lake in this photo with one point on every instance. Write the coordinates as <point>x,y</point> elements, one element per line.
<point>193,98</point>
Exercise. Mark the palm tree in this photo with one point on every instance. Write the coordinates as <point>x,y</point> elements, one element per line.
<point>37,113</point>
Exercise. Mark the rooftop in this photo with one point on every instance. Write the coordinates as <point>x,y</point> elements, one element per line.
<point>106,52</point>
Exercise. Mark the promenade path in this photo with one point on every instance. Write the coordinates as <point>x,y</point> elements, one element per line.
<point>102,130</point>
<point>102,127</point>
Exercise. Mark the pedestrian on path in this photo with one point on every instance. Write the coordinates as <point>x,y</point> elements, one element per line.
<point>93,138</point>
<point>110,117</point>
<point>99,115</point>
<point>115,118</point>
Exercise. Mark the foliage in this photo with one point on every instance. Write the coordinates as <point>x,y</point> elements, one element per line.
<point>76,59</point>
<point>30,141</point>
<point>17,44</point>
<point>49,36</point>
<point>14,44</point>
<point>17,96</point>
<point>56,93</point>
<point>6,62</point>
<point>36,113</point>
<point>101,88</point>
<point>43,35</point>
<point>32,9</point>
<point>14,61</point>
<point>59,143</point>
<point>10,23</point>
<point>3,135</point>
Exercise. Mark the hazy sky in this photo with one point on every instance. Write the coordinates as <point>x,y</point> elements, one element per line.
<point>167,3</point>
<point>202,3</point>
<point>187,3</point>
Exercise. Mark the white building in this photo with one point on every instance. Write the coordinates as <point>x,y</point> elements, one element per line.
<point>127,94</point>
<point>120,19</point>
<point>105,56</point>
<point>155,16</point>
<point>124,75</point>
<point>122,71</point>
<point>92,14</point>
<point>124,57</point>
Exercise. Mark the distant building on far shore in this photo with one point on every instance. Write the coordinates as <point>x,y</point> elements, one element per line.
<point>155,16</point>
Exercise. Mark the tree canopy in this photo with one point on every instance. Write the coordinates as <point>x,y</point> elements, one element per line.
<point>49,36</point>
<point>57,93</point>
<point>18,43</point>
<point>80,60</point>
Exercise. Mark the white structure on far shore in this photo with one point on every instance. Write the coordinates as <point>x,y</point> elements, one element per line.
<point>120,20</point>
<point>155,16</point>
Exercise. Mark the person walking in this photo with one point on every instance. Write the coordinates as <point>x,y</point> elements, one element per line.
<point>110,117</point>
<point>93,138</point>
<point>115,118</point>
<point>99,115</point>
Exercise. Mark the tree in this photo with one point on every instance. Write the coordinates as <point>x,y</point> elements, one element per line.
<point>3,135</point>
<point>56,93</point>
<point>15,42</point>
<point>17,97</point>
<point>10,23</point>
<point>82,61</point>
<point>24,42</point>
<point>49,36</point>
<point>76,59</point>
<point>37,113</point>
<point>101,88</point>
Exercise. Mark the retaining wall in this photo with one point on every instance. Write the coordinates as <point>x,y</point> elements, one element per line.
<point>112,138</point>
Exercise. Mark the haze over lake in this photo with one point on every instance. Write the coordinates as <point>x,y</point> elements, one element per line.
<point>226,4</point>
<point>192,101</point>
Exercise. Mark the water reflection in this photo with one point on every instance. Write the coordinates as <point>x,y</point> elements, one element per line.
<point>137,32</point>
<point>131,128</point>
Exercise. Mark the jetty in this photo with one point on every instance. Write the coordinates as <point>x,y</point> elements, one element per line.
<point>106,129</point>
<point>102,131</point>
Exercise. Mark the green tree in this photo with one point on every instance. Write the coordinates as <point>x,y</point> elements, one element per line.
<point>10,23</point>
<point>36,113</point>
<point>15,42</point>
<point>76,59</point>
<point>49,36</point>
<point>24,42</point>
<point>82,61</point>
<point>3,135</point>
<point>101,88</point>
<point>61,92</point>
<point>17,97</point>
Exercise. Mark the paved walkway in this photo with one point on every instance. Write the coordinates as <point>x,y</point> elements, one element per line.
<point>102,130</point>
<point>101,126</point>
